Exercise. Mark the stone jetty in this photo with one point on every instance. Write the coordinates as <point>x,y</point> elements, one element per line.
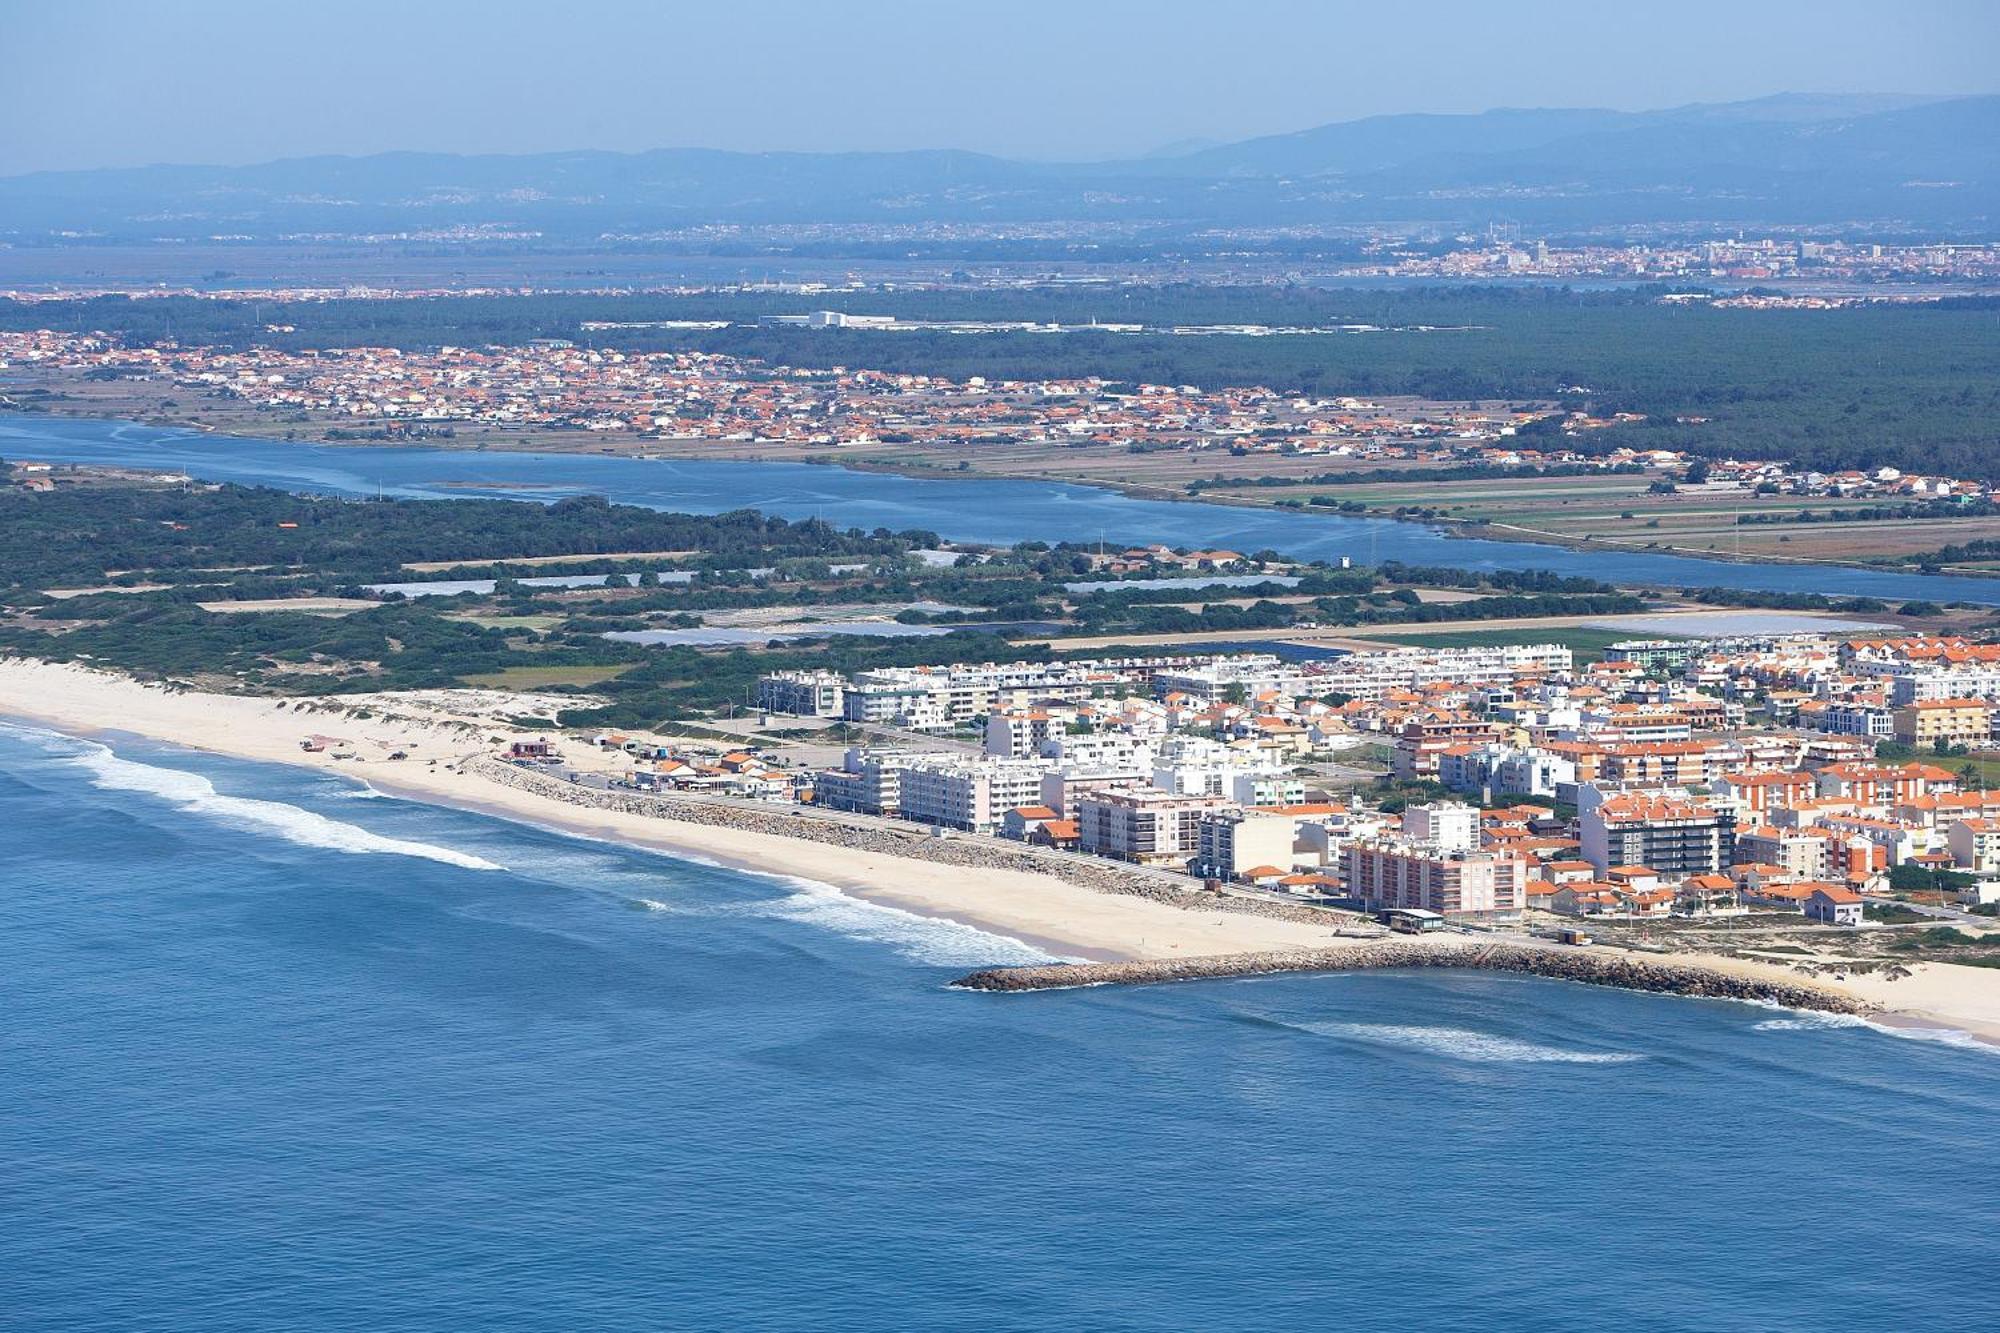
<point>1597,967</point>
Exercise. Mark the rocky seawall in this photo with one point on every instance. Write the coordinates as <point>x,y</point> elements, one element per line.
<point>913,841</point>
<point>1591,966</point>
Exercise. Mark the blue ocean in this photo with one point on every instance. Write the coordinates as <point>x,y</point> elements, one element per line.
<point>279,1053</point>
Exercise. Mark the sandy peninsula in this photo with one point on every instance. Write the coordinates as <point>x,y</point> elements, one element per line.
<point>1043,910</point>
<point>444,734</point>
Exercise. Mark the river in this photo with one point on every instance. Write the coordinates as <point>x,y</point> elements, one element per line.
<point>970,509</point>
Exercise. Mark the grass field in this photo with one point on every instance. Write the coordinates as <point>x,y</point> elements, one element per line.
<point>540,678</point>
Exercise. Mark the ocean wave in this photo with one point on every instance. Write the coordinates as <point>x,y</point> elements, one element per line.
<point>1811,1022</point>
<point>1942,1036</point>
<point>195,793</point>
<point>49,742</point>
<point>647,905</point>
<point>923,939</point>
<point>1465,1044</point>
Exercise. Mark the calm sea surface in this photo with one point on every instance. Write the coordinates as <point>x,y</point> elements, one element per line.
<point>977,510</point>
<point>278,1054</point>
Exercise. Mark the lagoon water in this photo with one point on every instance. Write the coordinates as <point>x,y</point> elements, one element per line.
<point>280,1054</point>
<point>975,510</point>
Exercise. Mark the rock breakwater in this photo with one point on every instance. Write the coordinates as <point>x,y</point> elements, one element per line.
<point>1592,966</point>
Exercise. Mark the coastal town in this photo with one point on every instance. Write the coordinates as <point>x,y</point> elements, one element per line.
<point>1694,784</point>
<point>1043,667</point>
<point>548,391</point>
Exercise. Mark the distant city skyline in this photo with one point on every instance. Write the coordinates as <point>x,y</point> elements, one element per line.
<point>228,82</point>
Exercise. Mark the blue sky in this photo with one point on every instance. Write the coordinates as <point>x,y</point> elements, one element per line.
<point>116,82</point>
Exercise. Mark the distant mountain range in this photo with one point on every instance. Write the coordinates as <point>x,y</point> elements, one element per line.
<point>1930,163</point>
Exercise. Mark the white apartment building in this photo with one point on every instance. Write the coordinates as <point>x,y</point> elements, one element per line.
<point>1397,873</point>
<point>1022,733</point>
<point>868,781</point>
<point>1149,827</point>
<point>1252,673</point>
<point>1102,749</point>
<point>1371,675</point>
<point>1264,788</point>
<point>968,794</point>
<point>1450,826</point>
<point>1067,787</point>
<point>1231,842</point>
<point>1505,770</point>
<point>802,693</point>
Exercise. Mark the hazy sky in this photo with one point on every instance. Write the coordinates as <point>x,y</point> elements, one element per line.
<point>108,83</point>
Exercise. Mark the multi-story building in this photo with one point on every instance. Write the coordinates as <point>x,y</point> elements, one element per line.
<point>1372,675</point>
<point>1021,733</point>
<point>802,693</point>
<point>1505,770</point>
<point>1068,786</point>
<point>965,793</point>
<point>1806,853</point>
<point>1421,743</point>
<point>868,781</point>
<point>1396,873</point>
<point>1223,677</point>
<point>1658,657</point>
<point>1150,827</point>
<point>1975,845</point>
<point>1231,842</point>
<point>1672,832</point>
<point>1944,721</point>
<point>1449,826</point>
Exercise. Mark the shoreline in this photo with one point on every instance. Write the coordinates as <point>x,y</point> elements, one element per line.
<point>1037,908</point>
<point>978,883</point>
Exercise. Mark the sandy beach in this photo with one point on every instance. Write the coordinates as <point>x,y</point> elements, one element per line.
<point>439,730</point>
<point>1063,918</point>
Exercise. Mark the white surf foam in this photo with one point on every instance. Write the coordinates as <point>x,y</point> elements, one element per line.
<point>1465,1044</point>
<point>1940,1035</point>
<point>923,939</point>
<point>196,794</point>
<point>1811,1022</point>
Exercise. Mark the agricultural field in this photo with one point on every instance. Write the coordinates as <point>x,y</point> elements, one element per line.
<point>1586,642</point>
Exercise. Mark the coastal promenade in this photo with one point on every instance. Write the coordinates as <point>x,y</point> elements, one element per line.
<point>886,838</point>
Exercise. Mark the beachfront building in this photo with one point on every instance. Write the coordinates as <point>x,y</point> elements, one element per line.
<point>1149,827</point>
<point>868,781</point>
<point>1230,843</point>
<point>972,794</point>
<point>1397,873</point>
<point>1833,905</point>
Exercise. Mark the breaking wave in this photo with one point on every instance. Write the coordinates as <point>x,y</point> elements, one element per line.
<point>923,939</point>
<point>1809,1022</point>
<point>1465,1044</point>
<point>196,794</point>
